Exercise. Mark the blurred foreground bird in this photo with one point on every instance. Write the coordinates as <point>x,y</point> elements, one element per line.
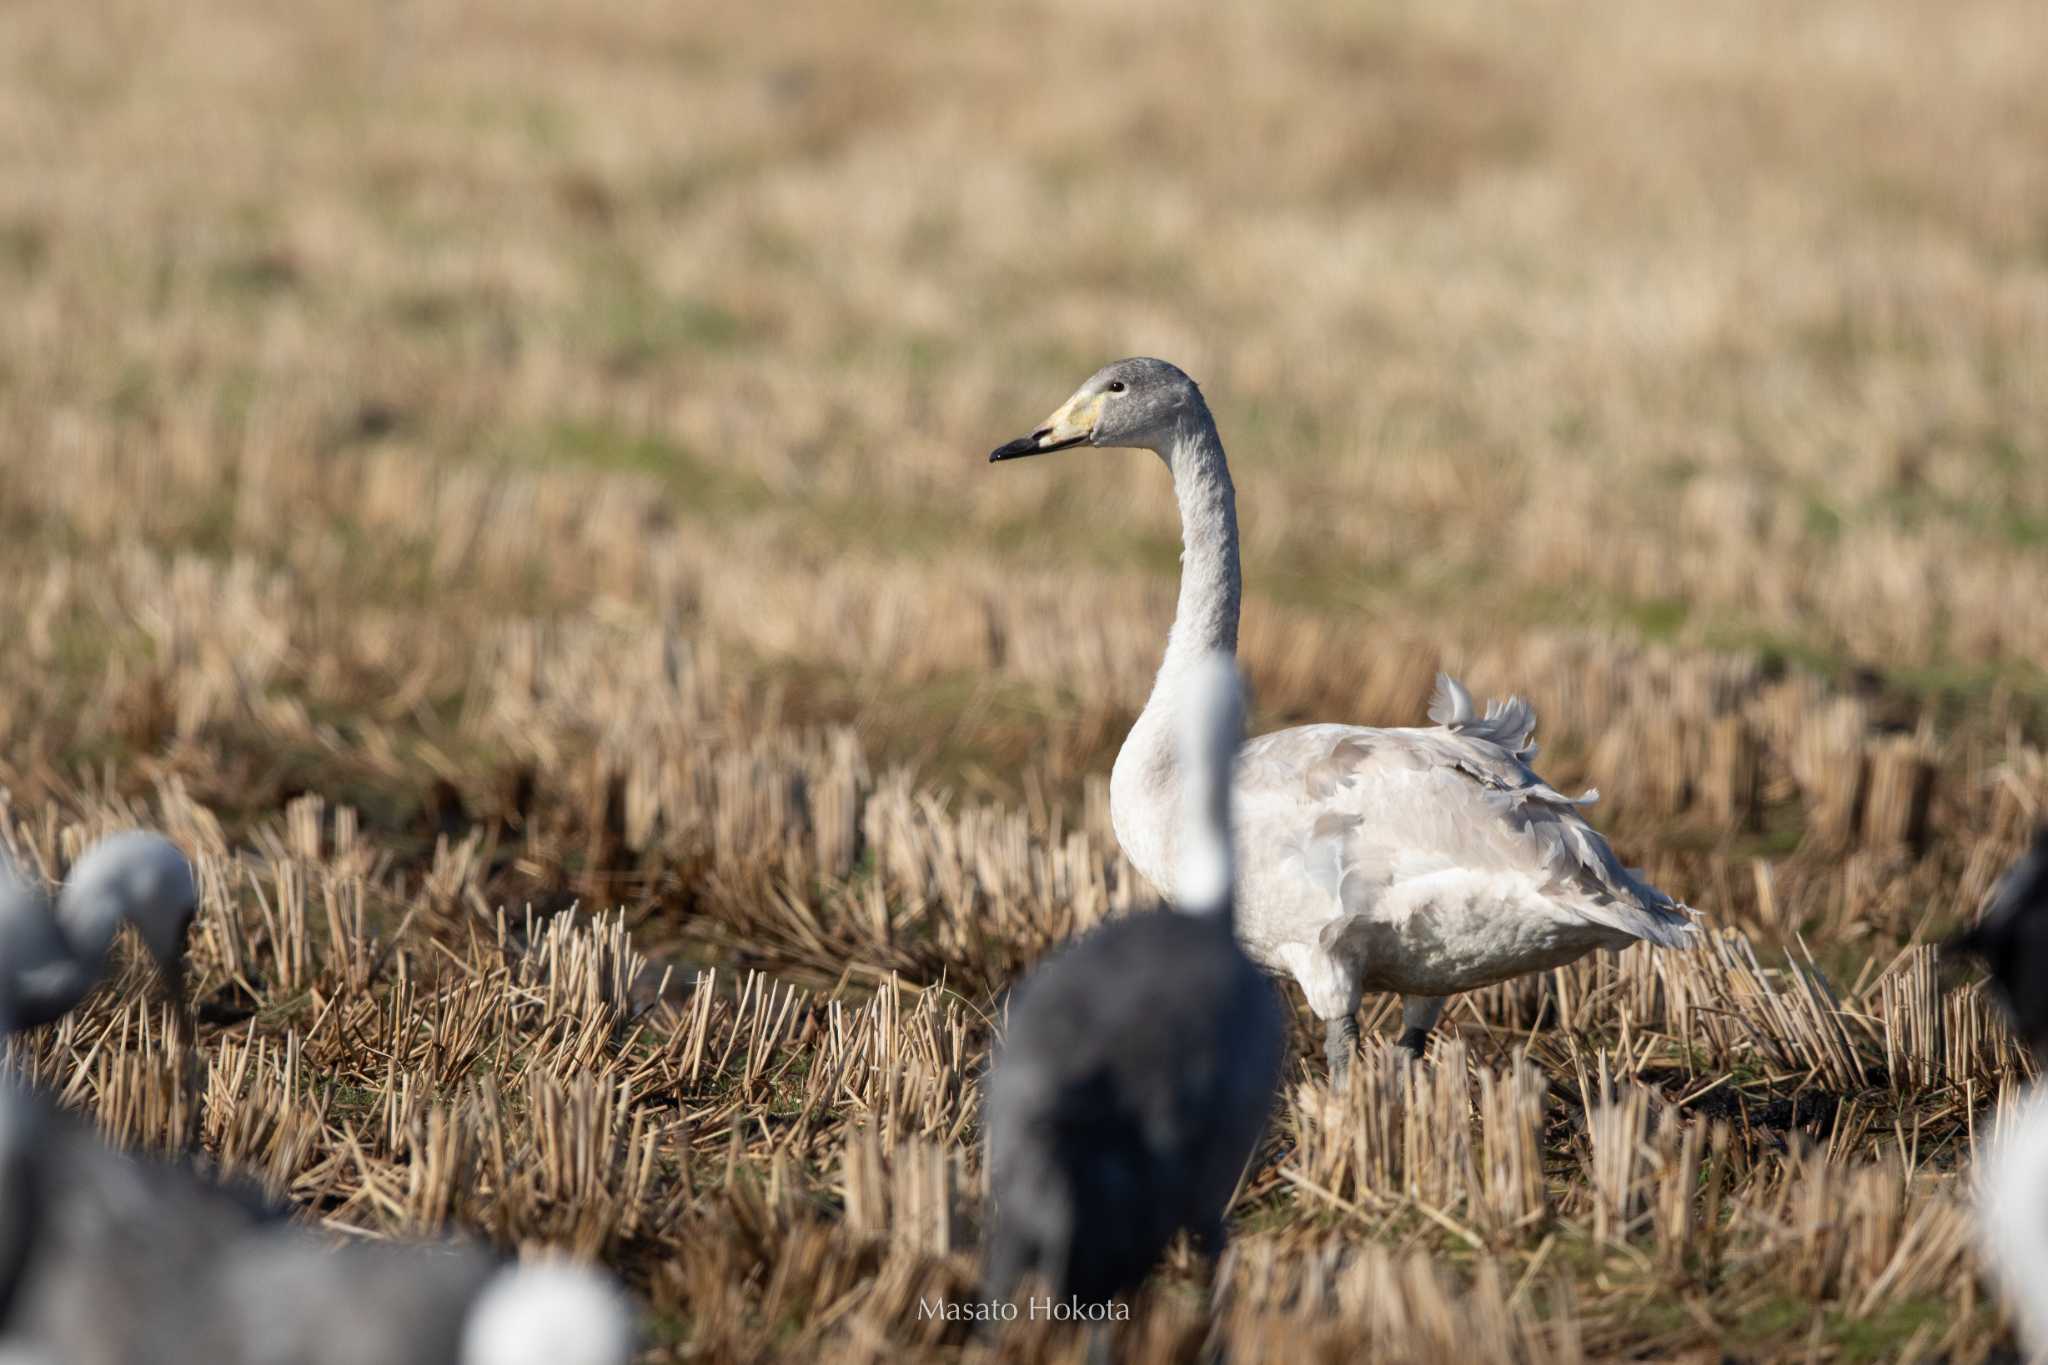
<point>108,1258</point>
<point>286,1297</point>
<point>111,1258</point>
<point>2012,941</point>
<point>2012,1217</point>
<point>1140,1064</point>
<point>54,956</point>
<point>1425,860</point>
<point>102,1252</point>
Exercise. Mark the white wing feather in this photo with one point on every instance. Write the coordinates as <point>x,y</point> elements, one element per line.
<point>1387,806</point>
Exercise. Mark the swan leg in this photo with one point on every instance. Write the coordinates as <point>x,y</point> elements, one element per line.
<point>1340,1040</point>
<point>1419,1014</point>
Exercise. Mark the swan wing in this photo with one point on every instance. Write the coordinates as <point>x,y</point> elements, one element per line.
<point>1368,809</point>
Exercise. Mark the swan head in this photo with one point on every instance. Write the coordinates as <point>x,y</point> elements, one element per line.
<point>1138,403</point>
<point>2012,940</point>
<point>143,879</point>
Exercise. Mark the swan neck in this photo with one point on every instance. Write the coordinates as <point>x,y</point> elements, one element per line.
<point>1211,582</point>
<point>1147,786</point>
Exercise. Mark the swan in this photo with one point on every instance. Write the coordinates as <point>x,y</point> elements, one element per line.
<point>1140,1064</point>
<point>53,958</point>
<point>1425,860</point>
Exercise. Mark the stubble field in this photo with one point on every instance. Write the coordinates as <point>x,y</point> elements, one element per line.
<point>504,486</point>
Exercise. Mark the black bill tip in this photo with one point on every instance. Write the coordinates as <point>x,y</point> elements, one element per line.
<point>1014,450</point>
<point>1034,444</point>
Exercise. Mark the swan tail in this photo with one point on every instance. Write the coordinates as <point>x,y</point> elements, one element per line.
<point>1511,724</point>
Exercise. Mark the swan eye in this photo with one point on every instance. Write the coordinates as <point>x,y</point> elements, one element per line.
<point>1116,386</point>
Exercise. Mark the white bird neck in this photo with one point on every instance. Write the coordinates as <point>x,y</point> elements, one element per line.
<point>1146,785</point>
<point>1211,582</point>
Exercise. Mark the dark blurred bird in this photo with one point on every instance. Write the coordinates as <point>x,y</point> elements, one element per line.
<point>2012,940</point>
<point>54,956</point>
<point>2012,1214</point>
<point>76,1215</point>
<point>1140,1065</point>
<point>104,1253</point>
<point>109,1258</point>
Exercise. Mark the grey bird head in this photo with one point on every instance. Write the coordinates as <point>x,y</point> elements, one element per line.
<point>141,878</point>
<point>2012,940</point>
<point>1139,403</point>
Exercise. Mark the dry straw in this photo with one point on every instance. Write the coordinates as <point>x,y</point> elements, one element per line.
<point>523,532</point>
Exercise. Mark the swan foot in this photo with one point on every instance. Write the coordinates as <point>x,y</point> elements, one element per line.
<point>1419,1014</point>
<point>1340,1041</point>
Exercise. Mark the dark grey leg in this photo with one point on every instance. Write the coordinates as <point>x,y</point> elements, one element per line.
<point>1101,1350</point>
<point>1419,1014</point>
<point>1340,1040</point>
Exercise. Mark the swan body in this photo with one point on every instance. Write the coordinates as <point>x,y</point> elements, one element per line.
<point>1422,860</point>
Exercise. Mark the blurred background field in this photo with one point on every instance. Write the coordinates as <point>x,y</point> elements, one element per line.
<point>555,434</point>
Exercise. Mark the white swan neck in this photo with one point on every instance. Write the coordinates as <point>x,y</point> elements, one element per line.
<point>1147,784</point>
<point>1211,580</point>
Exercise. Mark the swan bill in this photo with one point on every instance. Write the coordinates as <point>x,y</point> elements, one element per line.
<point>1034,444</point>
